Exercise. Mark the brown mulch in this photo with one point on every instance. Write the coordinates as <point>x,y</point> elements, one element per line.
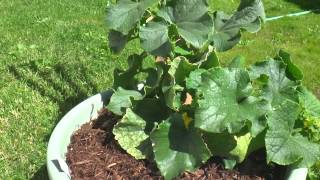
<point>94,154</point>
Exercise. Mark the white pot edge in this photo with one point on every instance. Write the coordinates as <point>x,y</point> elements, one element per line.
<point>60,137</point>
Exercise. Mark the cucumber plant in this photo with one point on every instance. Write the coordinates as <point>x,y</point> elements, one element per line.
<point>179,106</point>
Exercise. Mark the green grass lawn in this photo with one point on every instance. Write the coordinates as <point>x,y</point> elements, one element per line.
<point>54,54</point>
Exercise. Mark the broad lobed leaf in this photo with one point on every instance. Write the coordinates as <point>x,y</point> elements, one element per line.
<point>279,87</point>
<point>124,15</point>
<point>284,148</point>
<point>155,39</point>
<point>152,110</point>
<point>176,148</point>
<point>226,103</point>
<point>191,19</point>
<point>227,28</point>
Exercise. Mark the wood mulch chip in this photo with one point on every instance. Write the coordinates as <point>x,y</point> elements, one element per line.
<point>94,154</point>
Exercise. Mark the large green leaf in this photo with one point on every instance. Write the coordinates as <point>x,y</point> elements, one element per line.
<point>284,116</point>
<point>152,110</point>
<point>309,102</point>
<point>285,146</point>
<point>190,10</point>
<point>226,102</point>
<point>177,148</point>
<point>224,39</point>
<point>279,87</point>
<point>195,33</point>
<point>191,19</point>
<point>154,39</point>
<point>228,145</point>
<point>227,28</point>
<point>124,15</point>
<point>121,99</point>
<point>129,133</point>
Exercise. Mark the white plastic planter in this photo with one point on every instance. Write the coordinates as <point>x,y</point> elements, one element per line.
<point>82,113</point>
<point>60,137</point>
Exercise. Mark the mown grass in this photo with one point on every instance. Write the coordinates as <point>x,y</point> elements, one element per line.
<point>54,54</point>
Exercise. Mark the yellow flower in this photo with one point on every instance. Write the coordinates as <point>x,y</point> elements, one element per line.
<point>186,120</point>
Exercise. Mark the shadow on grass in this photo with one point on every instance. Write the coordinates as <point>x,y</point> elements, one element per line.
<point>59,84</point>
<point>54,89</point>
<point>63,84</point>
<point>307,4</point>
<point>41,174</point>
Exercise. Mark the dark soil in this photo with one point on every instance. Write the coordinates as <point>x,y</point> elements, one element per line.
<point>94,154</point>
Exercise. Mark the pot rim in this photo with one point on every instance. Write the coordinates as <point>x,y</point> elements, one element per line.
<point>60,136</point>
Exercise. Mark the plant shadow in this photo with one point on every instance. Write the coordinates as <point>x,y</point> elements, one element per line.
<point>58,84</point>
<point>41,174</point>
<point>307,4</point>
<point>62,84</point>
